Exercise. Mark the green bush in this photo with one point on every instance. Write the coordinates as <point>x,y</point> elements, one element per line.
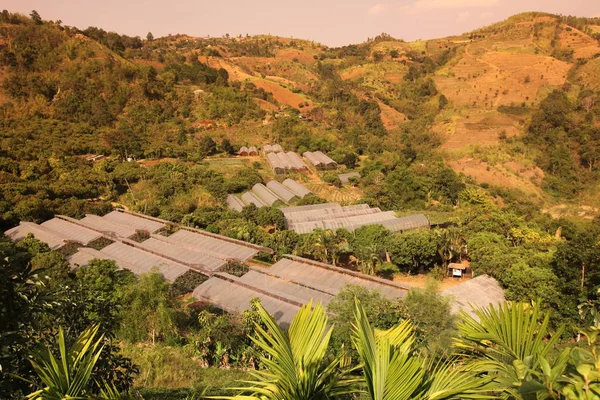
<point>187,282</point>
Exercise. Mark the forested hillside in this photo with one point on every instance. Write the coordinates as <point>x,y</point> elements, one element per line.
<point>494,135</point>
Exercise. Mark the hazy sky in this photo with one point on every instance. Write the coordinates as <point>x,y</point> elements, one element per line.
<point>332,22</point>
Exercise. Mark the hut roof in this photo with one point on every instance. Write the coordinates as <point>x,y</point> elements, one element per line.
<point>325,159</point>
<point>285,161</point>
<point>53,239</point>
<point>70,231</point>
<point>139,223</point>
<point>267,148</point>
<point>252,149</point>
<point>243,149</point>
<point>277,148</point>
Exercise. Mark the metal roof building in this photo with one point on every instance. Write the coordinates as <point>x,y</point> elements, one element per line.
<point>402,224</point>
<point>235,203</point>
<point>70,231</point>
<point>345,178</point>
<point>187,248</point>
<point>333,216</point>
<point>296,188</point>
<point>477,292</point>
<point>136,222</point>
<point>285,161</point>
<point>277,148</point>
<point>250,198</point>
<point>282,192</point>
<point>265,194</point>
<point>287,285</point>
<point>51,238</point>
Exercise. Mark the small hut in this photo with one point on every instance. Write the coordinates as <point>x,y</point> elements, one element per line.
<point>243,151</point>
<point>457,270</point>
<point>252,151</point>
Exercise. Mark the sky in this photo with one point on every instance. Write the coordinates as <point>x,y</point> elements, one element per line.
<point>331,22</point>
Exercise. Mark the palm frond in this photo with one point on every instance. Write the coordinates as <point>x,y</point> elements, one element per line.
<point>69,376</point>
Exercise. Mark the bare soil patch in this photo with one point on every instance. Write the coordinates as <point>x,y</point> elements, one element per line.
<point>583,45</point>
<point>390,117</point>
<point>500,175</point>
<point>421,281</point>
<point>486,79</point>
<point>482,130</point>
<point>283,95</point>
<point>295,55</point>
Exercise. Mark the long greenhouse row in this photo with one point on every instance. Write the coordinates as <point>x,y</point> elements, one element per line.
<point>273,193</point>
<point>305,219</point>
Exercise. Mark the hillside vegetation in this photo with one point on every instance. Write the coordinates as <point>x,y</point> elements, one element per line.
<point>494,135</point>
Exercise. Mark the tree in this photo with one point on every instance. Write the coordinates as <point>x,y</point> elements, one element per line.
<point>227,147</point>
<point>206,146</point>
<point>414,251</point>
<point>369,243</point>
<point>431,315</point>
<point>443,102</point>
<point>35,16</point>
<point>350,160</point>
<point>451,245</point>
<point>332,179</point>
<point>149,37</point>
<point>295,362</point>
<point>149,314</point>
<point>383,313</point>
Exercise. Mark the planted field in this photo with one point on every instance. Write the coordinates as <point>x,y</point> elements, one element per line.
<point>344,195</point>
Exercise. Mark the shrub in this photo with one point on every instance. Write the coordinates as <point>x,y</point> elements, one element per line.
<point>235,268</point>
<point>332,179</point>
<point>187,282</point>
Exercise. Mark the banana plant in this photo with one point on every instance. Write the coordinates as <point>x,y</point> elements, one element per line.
<point>296,363</point>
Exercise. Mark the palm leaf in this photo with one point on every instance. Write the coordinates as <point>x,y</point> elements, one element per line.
<point>69,376</point>
<point>294,365</point>
<point>509,343</point>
